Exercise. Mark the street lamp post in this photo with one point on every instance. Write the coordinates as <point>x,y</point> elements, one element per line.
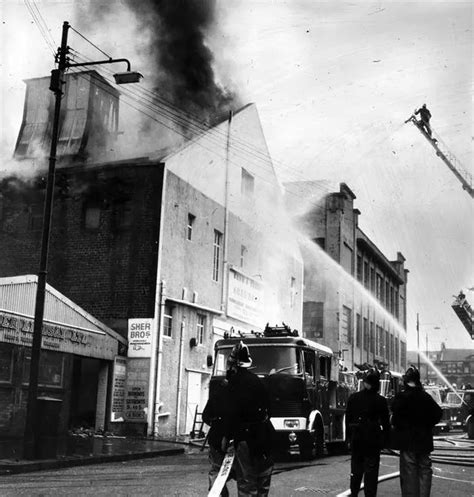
<point>30,444</point>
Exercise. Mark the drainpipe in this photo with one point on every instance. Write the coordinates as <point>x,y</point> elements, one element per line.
<point>154,391</point>
<point>225,274</point>
<point>159,359</point>
<point>180,375</point>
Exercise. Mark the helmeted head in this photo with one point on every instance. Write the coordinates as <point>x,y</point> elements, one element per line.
<point>372,379</point>
<point>412,376</point>
<point>239,357</point>
<point>424,106</point>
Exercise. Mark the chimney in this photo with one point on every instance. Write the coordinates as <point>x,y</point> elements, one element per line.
<point>88,121</point>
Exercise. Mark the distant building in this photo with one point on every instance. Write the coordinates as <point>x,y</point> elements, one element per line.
<point>456,365</point>
<point>193,239</point>
<point>354,298</point>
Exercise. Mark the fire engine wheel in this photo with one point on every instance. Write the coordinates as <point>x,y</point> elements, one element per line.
<point>312,446</point>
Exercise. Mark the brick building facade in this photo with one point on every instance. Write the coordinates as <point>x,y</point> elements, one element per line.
<point>185,238</point>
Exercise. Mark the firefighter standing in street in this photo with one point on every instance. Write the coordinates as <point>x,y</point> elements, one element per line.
<point>216,415</point>
<point>367,425</point>
<point>415,413</point>
<point>249,426</point>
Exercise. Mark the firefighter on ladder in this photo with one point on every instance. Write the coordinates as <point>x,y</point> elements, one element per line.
<point>425,116</point>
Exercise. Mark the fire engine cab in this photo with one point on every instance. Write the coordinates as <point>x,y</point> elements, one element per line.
<point>307,404</point>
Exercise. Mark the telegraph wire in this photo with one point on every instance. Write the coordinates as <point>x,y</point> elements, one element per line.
<point>180,117</point>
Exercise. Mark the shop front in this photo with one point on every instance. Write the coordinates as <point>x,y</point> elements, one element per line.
<point>76,361</point>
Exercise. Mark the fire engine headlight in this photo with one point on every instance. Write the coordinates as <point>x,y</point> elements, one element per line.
<point>291,423</point>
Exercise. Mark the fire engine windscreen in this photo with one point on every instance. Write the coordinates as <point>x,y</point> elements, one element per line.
<point>265,360</point>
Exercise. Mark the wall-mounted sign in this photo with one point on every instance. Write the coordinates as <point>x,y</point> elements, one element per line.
<point>139,337</point>
<point>245,298</point>
<point>19,331</point>
<point>136,402</point>
<point>117,412</point>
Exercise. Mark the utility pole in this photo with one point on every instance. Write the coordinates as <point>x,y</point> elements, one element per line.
<point>32,422</point>
<point>418,338</point>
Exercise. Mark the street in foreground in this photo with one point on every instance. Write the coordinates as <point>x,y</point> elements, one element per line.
<point>186,476</point>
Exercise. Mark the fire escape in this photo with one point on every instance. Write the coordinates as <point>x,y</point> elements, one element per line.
<point>446,156</point>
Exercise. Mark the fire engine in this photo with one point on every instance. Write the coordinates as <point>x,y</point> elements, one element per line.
<point>307,404</point>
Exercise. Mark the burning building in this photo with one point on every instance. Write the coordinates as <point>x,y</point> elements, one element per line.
<point>170,250</point>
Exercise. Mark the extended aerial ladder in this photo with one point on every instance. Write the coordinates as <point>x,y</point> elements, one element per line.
<point>446,156</point>
<point>465,313</point>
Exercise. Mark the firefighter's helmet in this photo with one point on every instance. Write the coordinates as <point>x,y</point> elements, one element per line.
<point>372,377</point>
<point>412,375</point>
<point>239,356</point>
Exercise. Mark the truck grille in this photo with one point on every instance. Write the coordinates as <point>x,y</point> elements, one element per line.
<point>287,408</point>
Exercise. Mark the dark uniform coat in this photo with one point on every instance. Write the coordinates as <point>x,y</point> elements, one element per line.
<point>367,421</point>
<point>250,412</point>
<point>216,414</point>
<point>415,413</point>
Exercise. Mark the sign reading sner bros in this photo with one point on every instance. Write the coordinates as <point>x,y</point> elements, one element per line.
<point>139,337</point>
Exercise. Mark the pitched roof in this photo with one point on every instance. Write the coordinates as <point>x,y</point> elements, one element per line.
<point>18,296</point>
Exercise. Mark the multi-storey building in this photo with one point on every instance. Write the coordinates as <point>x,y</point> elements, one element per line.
<point>354,297</point>
<point>182,241</point>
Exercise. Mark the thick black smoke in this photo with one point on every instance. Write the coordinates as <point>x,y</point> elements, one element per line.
<point>184,63</point>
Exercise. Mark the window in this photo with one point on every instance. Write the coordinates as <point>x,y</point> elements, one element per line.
<point>387,295</point>
<point>366,334</point>
<point>91,215</point>
<point>379,289</point>
<point>309,364</point>
<point>372,279</point>
<point>358,330</point>
<point>200,327</point>
<point>387,344</point>
<point>313,319</point>
<point>189,232</point>
<point>372,338</point>
<point>35,217</point>
<point>123,215</point>
<point>243,251</point>
<point>216,255</point>
<point>292,292</point>
<point>167,320</point>
<point>380,341</point>
<point>366,274</point>
<point>359,268</point>
<point>51,368</point>
<point>346,325</point>
<point>247,186</point>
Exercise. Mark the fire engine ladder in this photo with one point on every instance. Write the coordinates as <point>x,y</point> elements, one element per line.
<point>446,156</point>
<point>465,313</point>
<point>198,423</point>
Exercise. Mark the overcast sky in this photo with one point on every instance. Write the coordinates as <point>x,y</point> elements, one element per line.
<point>333,83</point>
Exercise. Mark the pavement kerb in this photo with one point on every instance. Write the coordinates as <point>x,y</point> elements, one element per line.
<point>10,468</point>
